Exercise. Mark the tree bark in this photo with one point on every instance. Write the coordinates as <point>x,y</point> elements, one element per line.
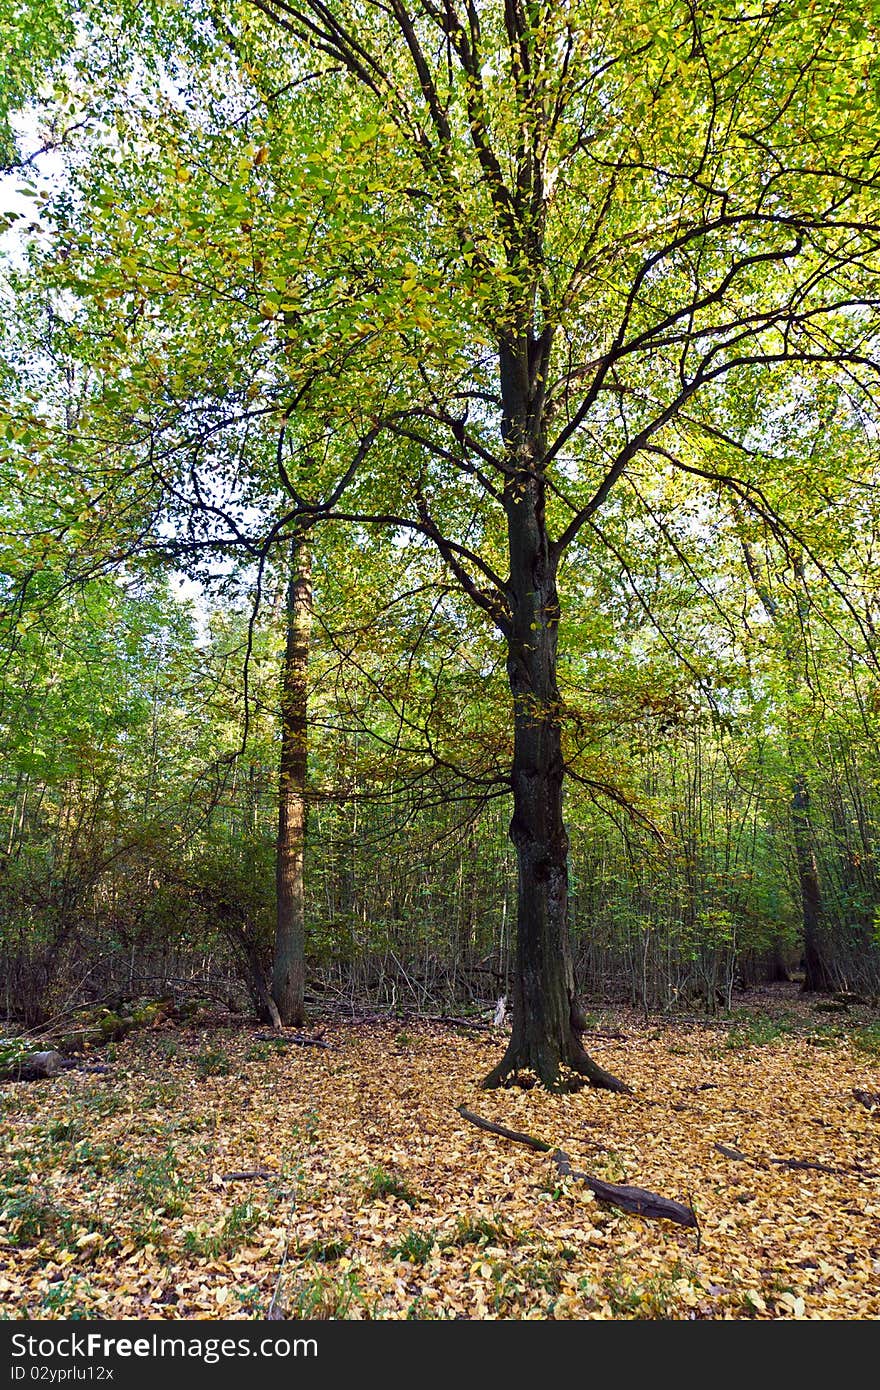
<point>545,1038</point>
<point>288,972</point>
<point>818,975</point>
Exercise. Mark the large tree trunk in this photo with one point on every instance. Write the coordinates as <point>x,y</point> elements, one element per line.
<point>288,971</point>
<point>546,1034</point>
<point>818,975</point>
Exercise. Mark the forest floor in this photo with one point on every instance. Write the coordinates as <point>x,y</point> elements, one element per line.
<point>375,1199</point>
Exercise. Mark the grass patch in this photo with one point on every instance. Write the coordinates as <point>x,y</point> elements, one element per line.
<point>28,1215</point>
<point>150,1233</point>
<point>72,1298</point>
<point>155,1183</point>
<point>102,1104</point>
<point>543,1275</point>
<point>212,1061</point>
<point>63,1132</point>
<point>867,1039</point>
<point>95,1158</point>
<point>13,1051</point>
<point>479,1230</point>
<point>160,1097</point>
<point>323,1298</point>
<point>415,1247</point>
<point>380,1184</point>
<point>757,1031</point>
<point>657,1299</point>
<point>238,1226</point>
<point>323,1251</point>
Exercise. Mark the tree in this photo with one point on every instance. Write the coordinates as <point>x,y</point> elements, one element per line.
<point>644,207</point>
<point>288,966</point>
<point>818,972</point>
<point>613,239</point>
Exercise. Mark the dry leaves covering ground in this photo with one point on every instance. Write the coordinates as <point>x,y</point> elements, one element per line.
<point>379,1201</point>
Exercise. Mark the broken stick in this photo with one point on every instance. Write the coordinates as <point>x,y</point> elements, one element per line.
<point>636,1200</point>
<point>633,1199</point>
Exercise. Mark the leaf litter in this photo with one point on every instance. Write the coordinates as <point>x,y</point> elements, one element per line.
<point>241,1178</point>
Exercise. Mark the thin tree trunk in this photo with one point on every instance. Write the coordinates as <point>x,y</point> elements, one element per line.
<point>288,972</point>
<point>818,976</point>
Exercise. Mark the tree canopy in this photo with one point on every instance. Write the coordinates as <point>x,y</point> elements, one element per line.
<point>551,326</point>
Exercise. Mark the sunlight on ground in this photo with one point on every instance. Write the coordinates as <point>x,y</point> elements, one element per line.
<point>373,1198</point>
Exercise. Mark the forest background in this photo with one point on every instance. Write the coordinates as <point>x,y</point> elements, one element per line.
<point>266,273</point>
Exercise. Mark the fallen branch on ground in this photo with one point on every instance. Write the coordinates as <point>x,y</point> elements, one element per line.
<point>33,1066</point>
<point>636,1200</point>
<point>733,1154</point>
<point>870,1099</point>
<point>297,1039</point>
<point>798,1164</point>
<point>249,1176</point>
<point>93,1068</point>
<point>518,1138</point>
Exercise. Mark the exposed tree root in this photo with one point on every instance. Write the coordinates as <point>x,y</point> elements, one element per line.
<point>516,1135</point>
<point>550,1069</point>
<point>581,1062</point>
<point>636,1200</point>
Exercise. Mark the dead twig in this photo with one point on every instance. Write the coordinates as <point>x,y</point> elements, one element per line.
<point>518,1138</point>
<point>733,1154</point>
